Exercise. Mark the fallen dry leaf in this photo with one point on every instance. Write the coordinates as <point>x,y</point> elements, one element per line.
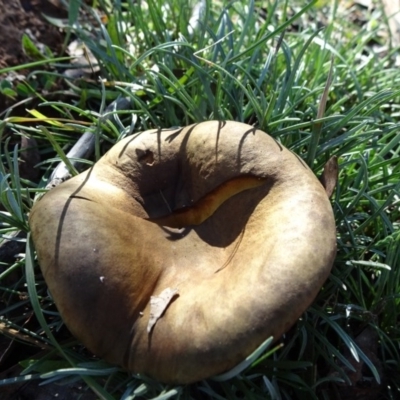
<point>158,304</point>
<point>330,175</point>
<point>392,11</point>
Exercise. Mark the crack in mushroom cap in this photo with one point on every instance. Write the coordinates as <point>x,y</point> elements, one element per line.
<point>246,271</point>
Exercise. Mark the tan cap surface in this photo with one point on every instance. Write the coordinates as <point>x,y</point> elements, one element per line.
<point>263,245</point>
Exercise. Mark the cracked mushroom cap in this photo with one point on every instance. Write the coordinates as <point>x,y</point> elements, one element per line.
<point>182,250</point>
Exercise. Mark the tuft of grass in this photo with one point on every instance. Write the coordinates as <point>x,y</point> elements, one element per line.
<point>319,83</point>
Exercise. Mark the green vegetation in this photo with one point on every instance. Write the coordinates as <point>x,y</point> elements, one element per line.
<point>319,83</point>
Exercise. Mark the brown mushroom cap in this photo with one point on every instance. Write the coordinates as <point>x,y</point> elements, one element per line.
<point>263,245</point>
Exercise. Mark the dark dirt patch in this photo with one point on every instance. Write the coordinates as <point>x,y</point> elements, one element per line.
<point>25,16</point>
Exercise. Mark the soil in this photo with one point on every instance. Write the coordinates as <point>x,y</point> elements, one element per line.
<point>25,16</point>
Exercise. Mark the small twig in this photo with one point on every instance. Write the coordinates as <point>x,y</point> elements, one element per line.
<point>84,147</point>
<point>14,334</point>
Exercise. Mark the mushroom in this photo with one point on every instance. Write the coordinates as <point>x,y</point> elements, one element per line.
<point>182,250</point>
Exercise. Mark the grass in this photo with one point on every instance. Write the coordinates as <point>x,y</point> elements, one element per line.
<point>319,83</point>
